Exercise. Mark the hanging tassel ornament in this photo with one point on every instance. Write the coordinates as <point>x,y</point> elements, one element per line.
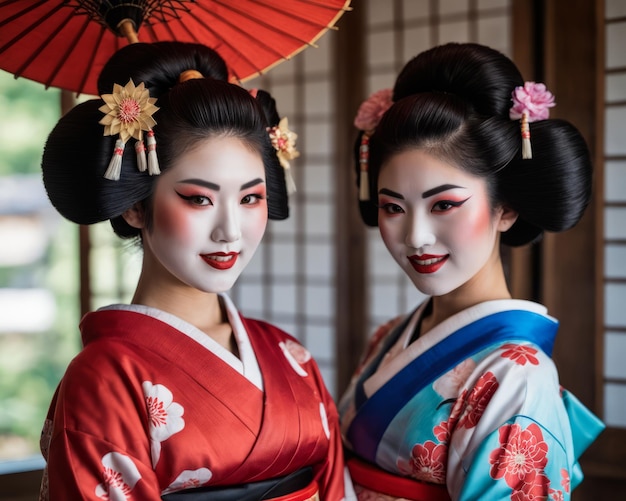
<point>527,151</point>
<point>289,181</point>
<point>115,165</point>
<point>364,153</point>
<point>153,161</point>
<point>367,119</point>
<point>140,150</point>
<point>531,103</point>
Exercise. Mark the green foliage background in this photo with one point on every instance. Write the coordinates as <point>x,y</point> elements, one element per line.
<point>31,364</point>
<point>28,114</point>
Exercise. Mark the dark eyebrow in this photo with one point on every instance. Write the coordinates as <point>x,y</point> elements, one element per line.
<point>202,182</point>
<point>439,189</point>
<point>252,183</point>
<point>216,187</point>
<point>385,191</point>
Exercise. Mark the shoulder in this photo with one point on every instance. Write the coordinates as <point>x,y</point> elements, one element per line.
<point>267,329</point>
<point>510,379</point>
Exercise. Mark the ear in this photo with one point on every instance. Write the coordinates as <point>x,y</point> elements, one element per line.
<point>135,216</point>
<point>507,218</point>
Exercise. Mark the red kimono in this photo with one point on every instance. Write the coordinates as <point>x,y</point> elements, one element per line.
<point>152,406</point>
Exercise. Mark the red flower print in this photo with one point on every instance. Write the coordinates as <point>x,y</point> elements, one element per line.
<point>156,412</point>
<point>556,495</point>
<point>427,463</point>
<point>565,479</point>
<point>113,479</point>
<point>520,460</point>
<point>478,399</point>
<point>449,385</point>
<point>119,476</point>
<point>520,354</point>
<point>299,352</point>
<point>442,431</point>
<point>457,410</point>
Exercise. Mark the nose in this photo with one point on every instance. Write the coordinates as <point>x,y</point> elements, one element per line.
<point>227,227</point>
<point>420,233</point>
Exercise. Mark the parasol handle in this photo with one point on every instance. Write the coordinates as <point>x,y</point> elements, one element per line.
<point>126,28</point>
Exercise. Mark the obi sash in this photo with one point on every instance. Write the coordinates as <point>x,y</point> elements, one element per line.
<point>374,414</point>
<point>297,486</point>
<point>375,479</point>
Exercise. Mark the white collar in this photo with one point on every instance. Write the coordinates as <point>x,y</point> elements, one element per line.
<point>247,364</point>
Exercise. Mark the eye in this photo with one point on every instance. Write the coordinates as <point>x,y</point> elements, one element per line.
<point>447,205</point>
<point>196,199</point>
<point>252,199</point>
<point>391,208</point>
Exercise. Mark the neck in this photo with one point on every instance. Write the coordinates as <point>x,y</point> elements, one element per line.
<point>201,309</point>
<point>488,284</point>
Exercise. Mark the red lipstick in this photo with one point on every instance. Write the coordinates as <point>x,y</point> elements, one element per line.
<point>220,260</point>
<point>427,263</point>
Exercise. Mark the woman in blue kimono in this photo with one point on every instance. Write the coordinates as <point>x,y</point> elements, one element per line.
<point>459,399</point>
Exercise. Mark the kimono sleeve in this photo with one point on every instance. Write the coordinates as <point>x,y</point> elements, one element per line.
<point>519,460</point>
<point>95,440</point>
<point>82,466</point>
<point>512,436</point>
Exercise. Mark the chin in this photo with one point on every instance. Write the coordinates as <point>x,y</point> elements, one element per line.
<point>431,289</point>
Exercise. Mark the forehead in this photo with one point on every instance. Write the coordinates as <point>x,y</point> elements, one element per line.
<point>222,156</point>
<point>418,167</point>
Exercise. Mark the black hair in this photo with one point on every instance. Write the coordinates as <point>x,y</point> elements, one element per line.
<point>453,101</point>
<point>77,153</point>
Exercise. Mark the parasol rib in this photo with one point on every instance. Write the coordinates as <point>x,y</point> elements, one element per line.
<point>269,26</point>
<point>93,55</point>
<point>62,60</point>
<point>245,34</point>
<point>232,47</point>
<point>168,26</point>
<point>330,25</point>
<point>28,29</point>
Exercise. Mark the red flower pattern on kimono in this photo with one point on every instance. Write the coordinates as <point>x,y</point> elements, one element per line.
<point>119,477</point>
<point>565,479</point>
<point>556,495</point>
<point>520,461</point>
<point>295,355</point>
<point>520,354</point>
<point>427,463</point>
<point>477,400</point>
<point>442,431</point>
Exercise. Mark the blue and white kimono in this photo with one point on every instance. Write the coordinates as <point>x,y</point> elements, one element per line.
<point>471,409</point>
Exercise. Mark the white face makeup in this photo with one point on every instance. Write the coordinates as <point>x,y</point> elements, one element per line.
<point>209,215</point>
<point>436,221</point>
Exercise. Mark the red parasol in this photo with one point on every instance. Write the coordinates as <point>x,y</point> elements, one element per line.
<point>65,43</point>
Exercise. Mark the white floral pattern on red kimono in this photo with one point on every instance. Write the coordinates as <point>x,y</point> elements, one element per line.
<point>165,416</point>
<point>120,476</point>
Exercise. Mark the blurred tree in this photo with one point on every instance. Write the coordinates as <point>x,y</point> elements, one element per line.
<point>29,112</point>
<point>32,362</point>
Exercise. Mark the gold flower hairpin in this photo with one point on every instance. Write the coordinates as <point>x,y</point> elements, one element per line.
<point>128,112</point>
<point>284,142</point>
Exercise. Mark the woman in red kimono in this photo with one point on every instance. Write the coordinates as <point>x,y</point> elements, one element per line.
<point>176,395</point>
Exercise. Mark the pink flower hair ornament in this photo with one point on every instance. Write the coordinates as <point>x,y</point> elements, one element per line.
<point>531,102</point>
<point>367,119</point>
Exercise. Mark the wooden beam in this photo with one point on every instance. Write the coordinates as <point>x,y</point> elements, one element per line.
<point>350,259</point>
